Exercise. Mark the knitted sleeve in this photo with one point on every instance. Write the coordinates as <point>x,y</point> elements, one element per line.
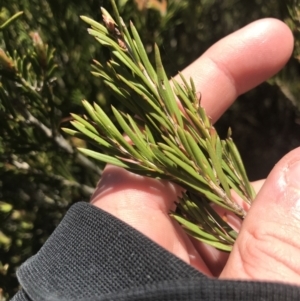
<point>94,256</point>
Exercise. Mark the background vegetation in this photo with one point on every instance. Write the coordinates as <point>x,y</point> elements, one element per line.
<point>45,61</point>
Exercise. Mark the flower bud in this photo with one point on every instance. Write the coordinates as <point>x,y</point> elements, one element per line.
<point>5,61</point>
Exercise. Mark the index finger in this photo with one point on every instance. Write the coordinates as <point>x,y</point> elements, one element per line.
<point>239,62</point>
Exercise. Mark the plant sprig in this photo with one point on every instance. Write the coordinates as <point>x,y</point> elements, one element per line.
<point>171,136</point>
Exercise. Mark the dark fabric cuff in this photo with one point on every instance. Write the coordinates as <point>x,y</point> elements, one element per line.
<point>93,256</point>
<point>91,253</point>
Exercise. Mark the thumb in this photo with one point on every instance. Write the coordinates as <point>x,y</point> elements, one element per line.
<point>268,245</point>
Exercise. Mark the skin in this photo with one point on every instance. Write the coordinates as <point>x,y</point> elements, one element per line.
<point>268,246</point>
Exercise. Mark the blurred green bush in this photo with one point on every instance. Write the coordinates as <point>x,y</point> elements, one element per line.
<point>45,61</point>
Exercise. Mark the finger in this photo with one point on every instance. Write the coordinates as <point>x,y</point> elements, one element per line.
<point>268,246</point>
<point>239,62</point>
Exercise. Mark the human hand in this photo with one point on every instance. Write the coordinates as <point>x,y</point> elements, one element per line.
<point>267,247</point>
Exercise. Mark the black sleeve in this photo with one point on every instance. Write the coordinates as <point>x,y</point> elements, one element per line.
<point>93,256</point>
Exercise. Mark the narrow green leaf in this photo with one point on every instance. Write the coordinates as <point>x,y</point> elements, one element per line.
<point>162,124</point>
<point>240,167</point>
<point>80,127</point>
<point>90,110</point>
<point>213,220</point>
<point>103,158</point>
<point>115,89</point>
<point>130,64</point>
<point>135,139</point>
<point>112,150</point>
<point>143,55</point>
<point>123,58</point>
<point>199,187</point>
<point>11,19</point>
<point>187,168</point>
<point>193,86</point>
<point>69,131</point>
<point>95,25</point>
<point>85,123</point>
<point>198,124</point>
<point>103,75</point>
<point>149,135</point>
<point>200,158</point>
<point>103,121</point>
<point>175,151</point>
<point>194,228</point>
<point>205,119</point>
<point>219,152</point>
<point>105,40</point>
<point>228,169</point>
<point>218,168</point>
<point>188,89</point>
<point>140,91</point>
<point>217,245</point>
<point>146,151</point>
<point>202,236</point>
<point>182,136</point>
<point>163,163</point>
<point>168,148</point>
<point>108,126</point>
<point>182,95</point>
<point>132,49</point>
<point>165,90</point>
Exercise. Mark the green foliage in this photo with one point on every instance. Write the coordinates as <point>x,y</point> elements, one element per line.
<point>179,145</point>
<point>41,173</point>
